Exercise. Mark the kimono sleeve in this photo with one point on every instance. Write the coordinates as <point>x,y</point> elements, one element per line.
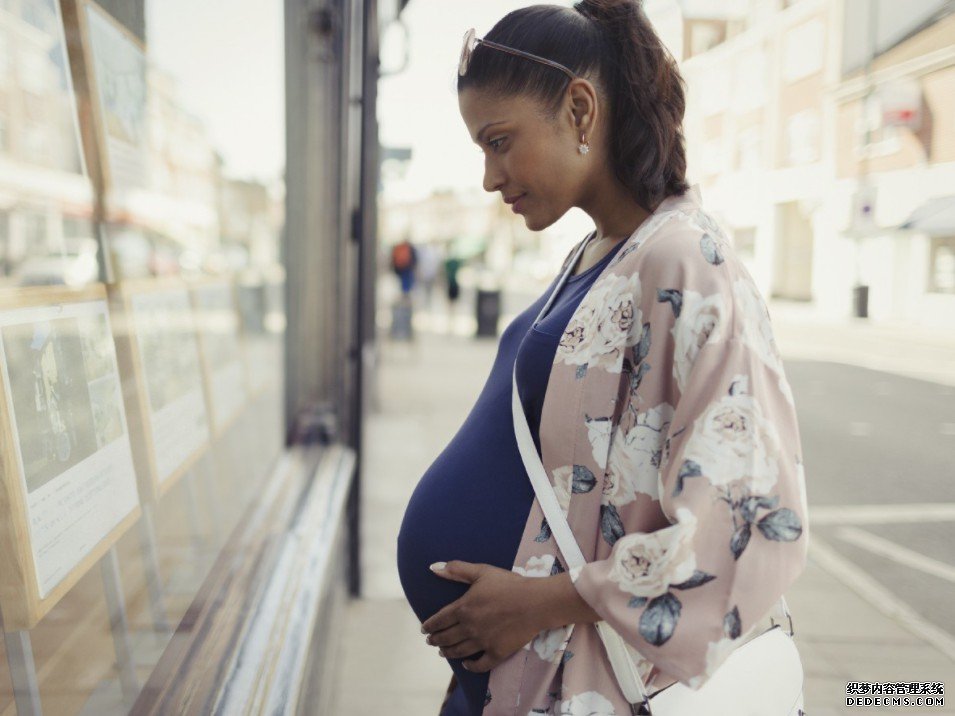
<point>729,480</point>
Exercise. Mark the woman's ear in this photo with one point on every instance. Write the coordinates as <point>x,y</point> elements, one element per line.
<point>582,104</point>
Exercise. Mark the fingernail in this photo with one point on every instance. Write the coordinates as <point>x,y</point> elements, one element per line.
<point>438,566</point>
<point>423,630</point>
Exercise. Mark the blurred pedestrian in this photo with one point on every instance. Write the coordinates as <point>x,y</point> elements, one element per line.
<point>451,267</point>
<point>429,261</point>
<point>404,258</point>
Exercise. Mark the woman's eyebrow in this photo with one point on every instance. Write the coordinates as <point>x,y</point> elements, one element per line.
<point>485,128</point>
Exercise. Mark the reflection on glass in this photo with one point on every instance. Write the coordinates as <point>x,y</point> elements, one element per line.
<point>136,188</point>
<point>46,233</point>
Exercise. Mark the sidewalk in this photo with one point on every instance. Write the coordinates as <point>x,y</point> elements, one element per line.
<point>426,389</point>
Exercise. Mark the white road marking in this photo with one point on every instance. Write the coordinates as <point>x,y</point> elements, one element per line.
<point>860,429</point>
<point>882,514</point>
<point>878,596</point>
<point>902,555</point>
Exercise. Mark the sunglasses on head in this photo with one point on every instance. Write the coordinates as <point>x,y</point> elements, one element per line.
<point>471,41</point>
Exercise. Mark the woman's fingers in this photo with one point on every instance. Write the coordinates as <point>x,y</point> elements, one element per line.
<point>447,637</point>
<point>468,647</point>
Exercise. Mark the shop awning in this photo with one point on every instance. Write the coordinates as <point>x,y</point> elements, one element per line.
<point>936,217</point>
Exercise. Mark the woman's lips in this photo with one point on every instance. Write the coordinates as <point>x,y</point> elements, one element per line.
<point>516,206</point>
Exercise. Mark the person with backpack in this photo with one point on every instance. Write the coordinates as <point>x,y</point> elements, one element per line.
<point>404,258</point>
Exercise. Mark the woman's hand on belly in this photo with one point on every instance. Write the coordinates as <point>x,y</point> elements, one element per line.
<point>499,614</point>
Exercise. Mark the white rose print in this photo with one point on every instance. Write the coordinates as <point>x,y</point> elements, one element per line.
<point>700,319</point>
<point>538,566</point>
<point>598,432</point>
<point>736,443</point>
<point>566,480</point>
<point>564,486</point>
<point>646,564</point>
<point>650,566</point>
<point>588,703</point>
<point>757,331</point>
<point>734,447</point>
<point>550,643</point>
<point>635,458</point>
<point>606,321</point>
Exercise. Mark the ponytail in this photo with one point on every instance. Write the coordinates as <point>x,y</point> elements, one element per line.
<point>647,98</point>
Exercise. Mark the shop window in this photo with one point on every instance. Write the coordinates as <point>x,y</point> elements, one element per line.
<point>143,405</point>
<point>803,50</point>
<point>941,270</point>
<point>744,241</point>
<point>802,137</point>
<point>749,144</point>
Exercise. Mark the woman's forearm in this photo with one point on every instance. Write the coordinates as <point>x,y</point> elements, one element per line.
<point>558,602</point>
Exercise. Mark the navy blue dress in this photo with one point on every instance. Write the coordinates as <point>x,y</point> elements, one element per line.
<point>473,501</point>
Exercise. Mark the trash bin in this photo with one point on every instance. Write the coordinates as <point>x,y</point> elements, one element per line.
<point>401,321</point>
<point>488,311</point>
<point>860,301</point>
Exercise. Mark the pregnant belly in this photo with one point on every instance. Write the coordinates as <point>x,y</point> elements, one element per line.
<point>467,506</point>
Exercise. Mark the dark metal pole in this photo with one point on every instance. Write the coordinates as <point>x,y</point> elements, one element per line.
<point>365,234</point>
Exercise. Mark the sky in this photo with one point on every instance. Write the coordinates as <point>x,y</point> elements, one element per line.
<point>228,58</point>
<point>418,108</point>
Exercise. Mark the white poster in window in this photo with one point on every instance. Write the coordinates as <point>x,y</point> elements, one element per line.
<point>169,362</point>
<point>76,465</point>
<point>119,66</point>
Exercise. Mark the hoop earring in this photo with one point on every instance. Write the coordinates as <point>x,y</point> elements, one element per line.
<point>583,147</point>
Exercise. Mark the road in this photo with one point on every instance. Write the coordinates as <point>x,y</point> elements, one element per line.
<point>873,438</point>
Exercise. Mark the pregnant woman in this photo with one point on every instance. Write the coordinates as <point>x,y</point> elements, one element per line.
<point>652,385</point>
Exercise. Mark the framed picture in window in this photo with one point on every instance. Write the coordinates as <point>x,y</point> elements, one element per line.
<point>158,352</point>
<point>67,475</point>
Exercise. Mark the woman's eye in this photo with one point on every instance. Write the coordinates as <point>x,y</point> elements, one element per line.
<point>494,144</point>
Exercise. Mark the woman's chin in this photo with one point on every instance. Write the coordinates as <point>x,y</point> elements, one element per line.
<point>535,223</point>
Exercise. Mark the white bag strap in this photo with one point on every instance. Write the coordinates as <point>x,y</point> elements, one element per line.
<point>630,682</point>
<point>632,686</point>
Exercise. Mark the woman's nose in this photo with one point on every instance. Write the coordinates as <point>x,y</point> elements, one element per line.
<point>492,177</point>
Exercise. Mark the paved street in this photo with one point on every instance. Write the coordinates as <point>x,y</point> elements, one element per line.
<point>874,602</point>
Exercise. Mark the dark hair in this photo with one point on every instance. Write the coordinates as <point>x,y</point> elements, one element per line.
<point>613,45</point>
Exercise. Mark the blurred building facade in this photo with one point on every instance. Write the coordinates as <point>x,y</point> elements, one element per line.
<point>820,132</point>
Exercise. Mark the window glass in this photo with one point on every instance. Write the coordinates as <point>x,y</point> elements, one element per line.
<point>803,50</point>
<point>141,328</point>
<point>942,265</point>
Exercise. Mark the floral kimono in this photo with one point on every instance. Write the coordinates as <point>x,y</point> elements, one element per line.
<point>669,434</point>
